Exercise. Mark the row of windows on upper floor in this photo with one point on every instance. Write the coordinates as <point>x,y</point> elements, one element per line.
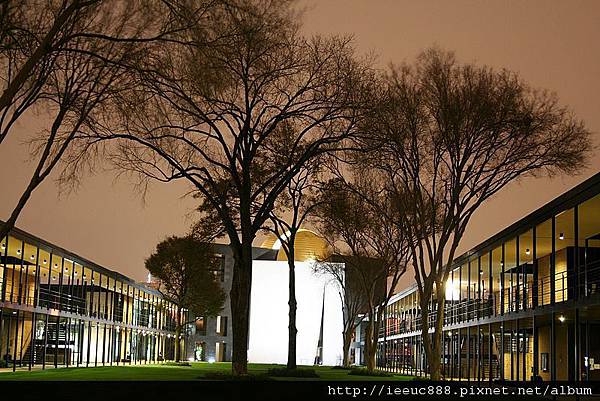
<point>554,261</point>
<point>31,275</point>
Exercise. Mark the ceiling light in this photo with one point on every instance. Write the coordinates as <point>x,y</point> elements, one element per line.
<point>561,236</point>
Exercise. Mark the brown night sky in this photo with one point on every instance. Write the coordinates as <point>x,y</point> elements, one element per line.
<point>551,44</point>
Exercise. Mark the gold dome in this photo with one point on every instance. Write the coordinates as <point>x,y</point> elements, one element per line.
<point>308,246</point>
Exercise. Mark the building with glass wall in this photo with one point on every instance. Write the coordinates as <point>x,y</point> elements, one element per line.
<point>58,309</point>
<point>522,305</point>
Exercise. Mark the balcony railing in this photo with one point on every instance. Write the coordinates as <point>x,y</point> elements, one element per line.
<point>568,285</point>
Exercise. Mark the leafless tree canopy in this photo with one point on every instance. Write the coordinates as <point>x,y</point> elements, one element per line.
<point>447,136</point>
<point>235,106</point>
<point>356,220</point>
<point>65,60</point>
<point>239,109</point>
<point>292,209</point>
<point>37,34</point>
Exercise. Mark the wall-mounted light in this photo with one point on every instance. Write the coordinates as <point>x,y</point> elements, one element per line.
<point>18,251</point>
<point>561,318</point>
<point>561,236</point>
<point>45,261</point>
<point>56,265</point>
<point>527,251</point>
<point>32,257</point>
<point>480,271</point>
<point>3,246</point>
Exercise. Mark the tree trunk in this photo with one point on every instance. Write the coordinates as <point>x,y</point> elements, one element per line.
<point>240,307</point>
<point>177,335</point>
<point>347,343</point>
<point>438,334</point>
<point>370,345</point>
<point>433,341</point>
<point>292,330</point>
<point>12,220</point>
<point>425,336</point>
<point>38,175</point>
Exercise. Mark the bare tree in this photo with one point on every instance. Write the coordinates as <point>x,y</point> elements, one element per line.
<point>35,34</point>
<point>66,59</point>
<point>74,87</point>
<point>236,108</point>
<point>292,209</point>
<point>30,33</point>
<point>448,136</point>
<point>356,217</point>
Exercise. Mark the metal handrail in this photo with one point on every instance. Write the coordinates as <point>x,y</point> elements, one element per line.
<point>567,286</point>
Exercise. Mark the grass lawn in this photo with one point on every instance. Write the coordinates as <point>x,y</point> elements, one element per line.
<point>162,372</point>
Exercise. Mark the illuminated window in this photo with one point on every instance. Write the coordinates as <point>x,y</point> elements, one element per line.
<point>222,325</point>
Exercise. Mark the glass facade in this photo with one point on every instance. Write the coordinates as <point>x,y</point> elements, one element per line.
<point>523,305</point>
<point>57,309</point>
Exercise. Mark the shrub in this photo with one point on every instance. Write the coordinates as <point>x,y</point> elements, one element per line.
<point>177,364</point>
<point>343,367</point>
<point>365,372</point>
<point>298,372</point>
<point>232,377</point>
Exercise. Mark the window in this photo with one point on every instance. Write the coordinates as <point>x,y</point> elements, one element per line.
<point>222,325</point>
<point>589,245</point>
<point>543,253</point>
<point>201,326</point>
<point>510,276</point>
<point>564,257</point>
<point>497,266</point>
<point>526,267</point>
